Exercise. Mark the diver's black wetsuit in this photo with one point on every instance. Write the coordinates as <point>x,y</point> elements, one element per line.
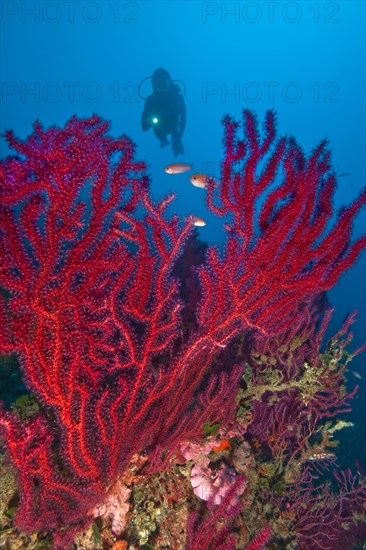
<point>165,112</point>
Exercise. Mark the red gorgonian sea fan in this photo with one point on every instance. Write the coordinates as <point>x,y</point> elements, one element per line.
<point>93,311</point>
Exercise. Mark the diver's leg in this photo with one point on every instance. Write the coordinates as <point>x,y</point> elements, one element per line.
<point>161,134</point>
<point>177,145</point>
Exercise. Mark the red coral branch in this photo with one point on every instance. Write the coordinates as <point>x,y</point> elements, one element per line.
<point>268,271</point>
<point>327,517</point>
<point>260,540</point>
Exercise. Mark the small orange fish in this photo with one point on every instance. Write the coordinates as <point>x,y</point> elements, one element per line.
<point>201,180</point>
<point>222,446</point>
<point>177,168</point>
<point>198,222</point>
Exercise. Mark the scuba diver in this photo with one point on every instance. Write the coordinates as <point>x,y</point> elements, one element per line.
<point>165,111</point>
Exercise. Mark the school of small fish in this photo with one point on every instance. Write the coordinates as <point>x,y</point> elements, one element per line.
<point>198,180</point>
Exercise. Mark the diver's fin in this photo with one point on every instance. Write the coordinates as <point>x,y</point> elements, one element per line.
<point>177,146</point>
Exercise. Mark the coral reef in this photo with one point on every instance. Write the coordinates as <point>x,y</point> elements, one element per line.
<point>135,339</point>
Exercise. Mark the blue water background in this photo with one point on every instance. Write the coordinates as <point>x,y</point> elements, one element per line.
<point>303,59</point>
